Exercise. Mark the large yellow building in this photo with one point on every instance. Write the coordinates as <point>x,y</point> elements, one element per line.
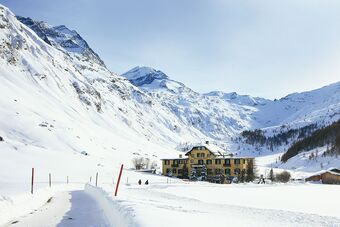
<point>209,162</point>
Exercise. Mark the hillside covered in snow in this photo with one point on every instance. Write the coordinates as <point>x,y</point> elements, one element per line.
<point>59,101</point>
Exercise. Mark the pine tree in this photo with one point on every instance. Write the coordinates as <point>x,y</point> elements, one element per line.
<point>185,171</point>
<point>250,172</point>
<point>242,176</point>
<point>271,175</point>
<point>203,174</point>
<point>193,174</point>
<point>170,173</point>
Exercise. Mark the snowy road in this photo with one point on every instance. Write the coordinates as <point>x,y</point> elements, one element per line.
<point>74,208</point>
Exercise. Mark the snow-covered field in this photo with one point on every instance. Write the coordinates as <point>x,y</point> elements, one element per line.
<point>199,204</point>
<point>168,202</point>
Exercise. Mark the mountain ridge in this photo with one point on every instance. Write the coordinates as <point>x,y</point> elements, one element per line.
<point>57,86</point>
<point>62,38</point>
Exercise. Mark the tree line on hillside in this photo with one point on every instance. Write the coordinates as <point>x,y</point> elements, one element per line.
<point>329,135</point>
<point>257,137</point>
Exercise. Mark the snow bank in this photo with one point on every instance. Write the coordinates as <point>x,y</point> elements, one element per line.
<point>116,213</point>
<point>12,207</point>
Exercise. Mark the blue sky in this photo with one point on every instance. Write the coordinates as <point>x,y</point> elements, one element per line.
<point>262,48</point>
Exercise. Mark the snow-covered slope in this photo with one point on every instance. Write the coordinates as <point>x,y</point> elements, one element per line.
<point>321,105</point>
<point>215,117</point>
<point>58,99</point>
<point>233,97</point>
<point>61,37</point>
<point>53,106</point>
<point>221,115</point>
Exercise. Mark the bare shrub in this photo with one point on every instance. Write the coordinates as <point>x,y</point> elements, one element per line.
<point>138,163</point>
<point>141,163</point>
<point>283,177</point>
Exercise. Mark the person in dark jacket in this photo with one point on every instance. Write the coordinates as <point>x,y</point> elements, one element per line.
<point>147,182</point>
<point>140,182</point>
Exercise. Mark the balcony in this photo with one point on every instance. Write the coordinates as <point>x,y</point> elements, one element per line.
<point>174,165</point>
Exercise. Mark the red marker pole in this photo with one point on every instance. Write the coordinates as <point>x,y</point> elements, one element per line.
<point>120,174</point>
<point>32,180</point>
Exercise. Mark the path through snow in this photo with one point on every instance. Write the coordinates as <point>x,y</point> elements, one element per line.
<point>73,208</point>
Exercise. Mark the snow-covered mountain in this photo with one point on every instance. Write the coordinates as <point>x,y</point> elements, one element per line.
<point>230,112</point>
<point>233,97</point>
<point>61,37</point>
<point>215,117</point>
<point>223,116</point>
<point>58,95</point>
<point>321,105</point>
<point>56,102</point>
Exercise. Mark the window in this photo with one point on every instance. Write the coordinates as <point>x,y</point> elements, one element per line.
<point>244,161</point>
<point>200,162</point>
<point>167,162</point>
<point>180,171</point>
<point>227,162</point>
<point>175,162</point>
<point>174,171</point>
<point>227,171</point>
<point>168,171</point>
<point>237,161</point>
<point>202,155</point>
<point>217,161</point>
<point>198,155</point>
<point>217,171</point>
<point>209,162</point>
<point>237,171</point>
<point>209,171</point>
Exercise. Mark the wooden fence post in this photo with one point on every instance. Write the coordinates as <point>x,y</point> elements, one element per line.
<point>32,180</point>
<point>120,174</point>
<point>96,179</point>
<point>67,180</point>
<point>50,179</point>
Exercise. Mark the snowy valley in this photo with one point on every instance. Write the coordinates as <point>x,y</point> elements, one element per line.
<point>62,111</point>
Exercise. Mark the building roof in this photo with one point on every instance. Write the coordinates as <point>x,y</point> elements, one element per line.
<point>214,149</point>
<point>185,158</point>
<point>331,170</point>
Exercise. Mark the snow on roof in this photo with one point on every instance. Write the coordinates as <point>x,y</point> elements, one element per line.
<point>216,150</point>
<point>326,171</point>
<point>183,158</point>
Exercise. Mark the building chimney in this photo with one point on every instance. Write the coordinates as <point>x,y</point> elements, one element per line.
<point>180,156</point>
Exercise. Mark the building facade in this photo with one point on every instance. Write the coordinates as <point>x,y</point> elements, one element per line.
<point>330,176</point>
<point>209,162</point>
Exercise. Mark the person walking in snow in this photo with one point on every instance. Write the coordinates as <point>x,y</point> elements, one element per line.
<point>140,182</point>
<point>147,182</point>
<point>262,180</point>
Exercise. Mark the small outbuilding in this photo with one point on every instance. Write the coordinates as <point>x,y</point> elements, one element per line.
<point>330,176</point>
